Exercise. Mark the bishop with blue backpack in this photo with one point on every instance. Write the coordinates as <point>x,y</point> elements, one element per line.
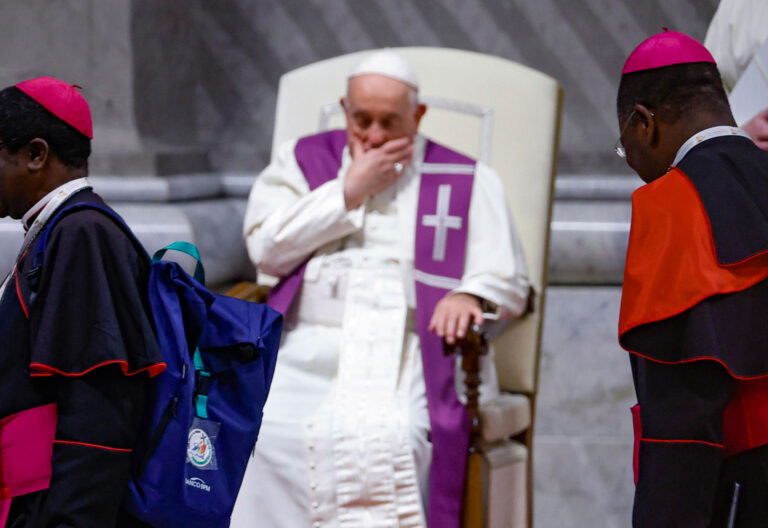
<point>125,385</point>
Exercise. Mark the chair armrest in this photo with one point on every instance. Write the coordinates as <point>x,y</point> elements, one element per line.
<point>505,416</point>
<point>249,291</point>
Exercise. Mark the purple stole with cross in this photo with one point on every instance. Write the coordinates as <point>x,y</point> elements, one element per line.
<point>441,241</point>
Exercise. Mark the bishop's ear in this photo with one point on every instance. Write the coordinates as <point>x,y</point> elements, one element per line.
<point>645,124</point>
<point>38,154</point>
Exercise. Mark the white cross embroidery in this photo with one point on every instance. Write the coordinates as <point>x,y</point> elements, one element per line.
<point>442,222</point>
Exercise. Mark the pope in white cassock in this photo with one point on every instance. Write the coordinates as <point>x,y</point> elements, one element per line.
<point>366,229</point>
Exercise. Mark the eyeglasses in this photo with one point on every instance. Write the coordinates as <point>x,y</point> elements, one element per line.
<point>618,147</point>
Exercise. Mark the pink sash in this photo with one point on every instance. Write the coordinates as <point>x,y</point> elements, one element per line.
<point>26,447</point>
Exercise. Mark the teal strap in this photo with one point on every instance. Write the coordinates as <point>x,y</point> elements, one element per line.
<point>201,400</point>
<point>197,359</point>
<point>187,248</point>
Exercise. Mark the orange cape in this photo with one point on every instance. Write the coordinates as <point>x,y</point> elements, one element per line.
<point>671,259</point>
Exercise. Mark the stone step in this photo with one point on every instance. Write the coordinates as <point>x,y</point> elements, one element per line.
<point>595,187</point>
<point>590,222</point>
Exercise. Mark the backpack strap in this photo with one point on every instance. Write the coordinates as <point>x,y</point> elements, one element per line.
<point>188,249</point>
<point>202,384</point>
<point>38,254</point>
<point>202,375</point>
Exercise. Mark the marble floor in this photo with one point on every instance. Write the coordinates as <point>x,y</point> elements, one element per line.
<point>583,431</point>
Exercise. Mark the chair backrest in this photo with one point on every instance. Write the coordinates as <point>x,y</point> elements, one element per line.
<point>495,110</point>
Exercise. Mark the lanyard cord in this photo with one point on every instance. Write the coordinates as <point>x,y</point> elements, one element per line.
<point>59,196</point>
<point>704,135</point>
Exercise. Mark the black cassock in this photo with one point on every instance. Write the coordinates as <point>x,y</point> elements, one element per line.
<point>696,324</point>
<point>77,333</point>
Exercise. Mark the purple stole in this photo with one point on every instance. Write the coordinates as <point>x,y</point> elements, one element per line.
<point>319,158</point>
<point>441,241</point>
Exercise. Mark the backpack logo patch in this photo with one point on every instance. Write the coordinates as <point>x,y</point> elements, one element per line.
<point>199,448</point>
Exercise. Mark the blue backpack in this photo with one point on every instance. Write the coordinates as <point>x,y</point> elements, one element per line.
<point>205,409</point>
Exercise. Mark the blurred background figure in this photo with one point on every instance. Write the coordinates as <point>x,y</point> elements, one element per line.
<point>738,29</point>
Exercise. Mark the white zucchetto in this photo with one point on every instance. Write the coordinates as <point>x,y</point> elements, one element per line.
<point>389,64</point>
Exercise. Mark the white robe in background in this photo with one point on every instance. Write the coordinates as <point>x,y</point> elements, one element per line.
<point>735,33</point>
<point>344,440</point>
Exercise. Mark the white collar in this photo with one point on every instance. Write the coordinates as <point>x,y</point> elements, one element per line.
<point>706,134</point>
<point>44,209</point>
<point>38,207</point>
